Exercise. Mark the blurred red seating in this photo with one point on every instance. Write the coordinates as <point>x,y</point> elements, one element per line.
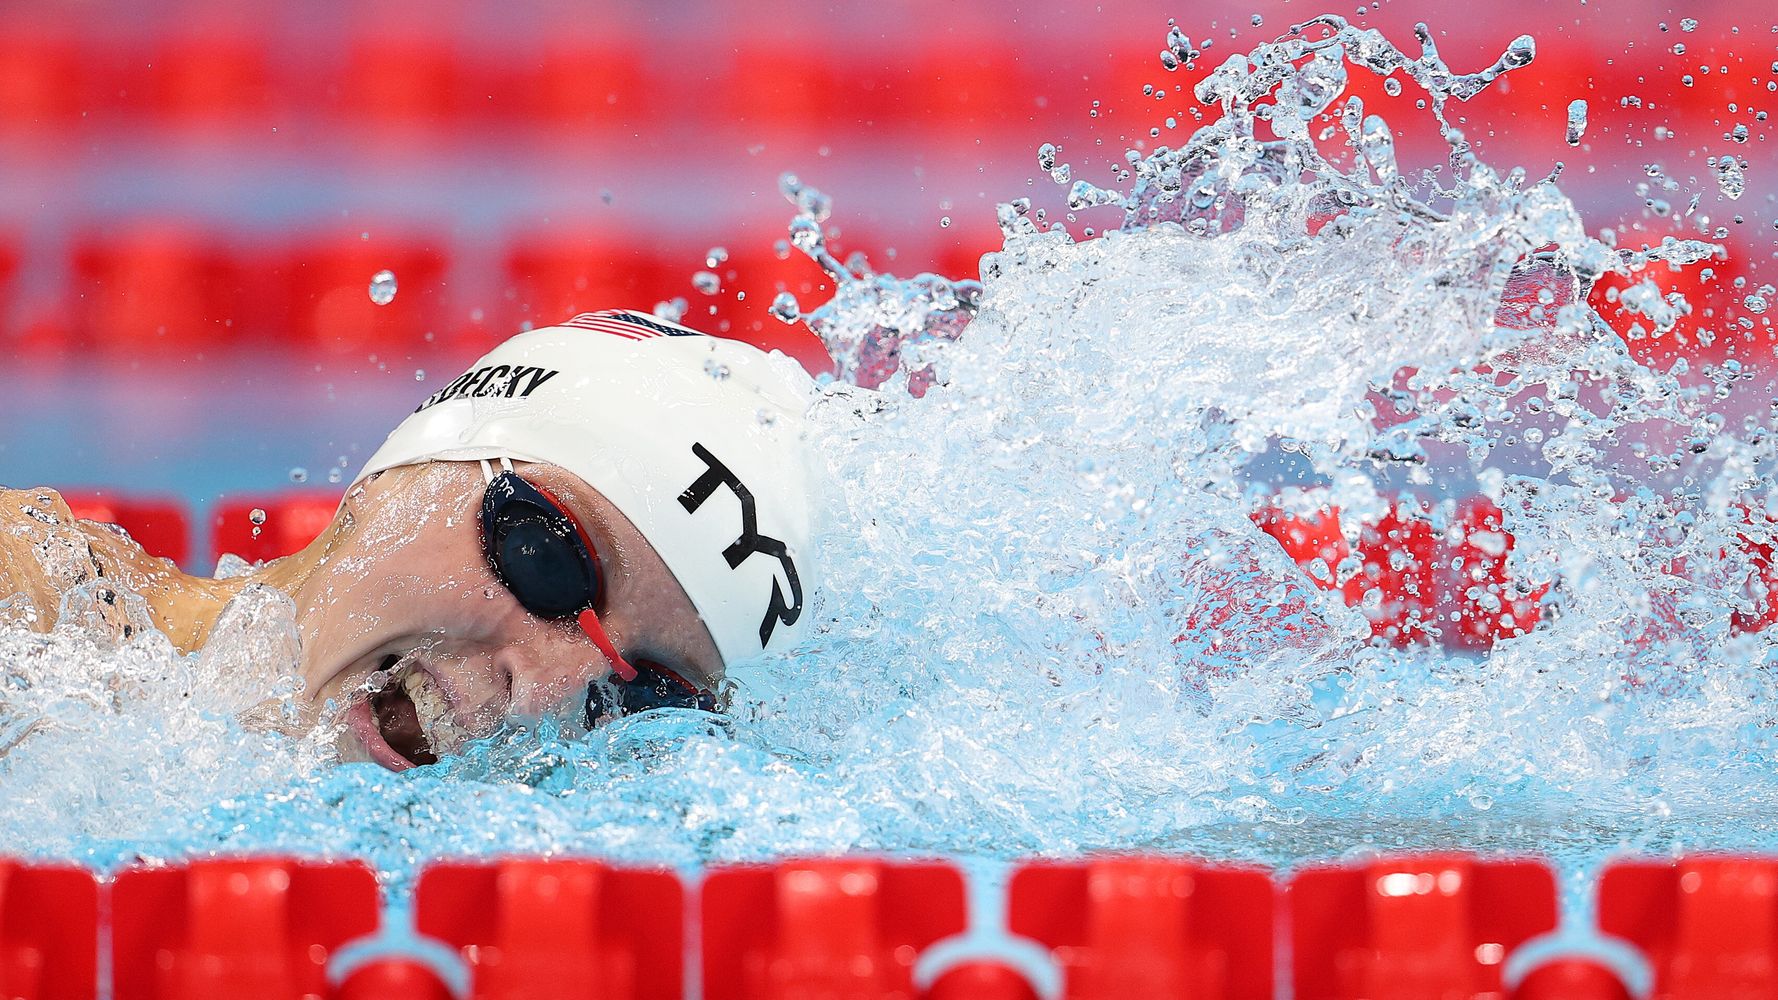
<point>42,82</point>
<point>960,257</point>
<point>836,927</point>
<point>964,87</point>
<point>401,83</point>
<point>155,292</point>
<point>585,84</point>
<point>528,928</point>
<point>1708,924</point>
<point>778,85</point>
<point>321,294</point>
<point>1395,584</point>
<point>1703,335</point>
<point>551,278</point>
<point>160,526</point>
<point>228,929</point>
<point>1413,583</point>
<point>1758,544</point>
<point>756,271</point>
<point>49,932</point>
<point>210,78</point>
<point>1151,927</point>
<point>291,521</point>
<point>1308,538</point>
<point>1477,605</point>
<point>1413,927</point>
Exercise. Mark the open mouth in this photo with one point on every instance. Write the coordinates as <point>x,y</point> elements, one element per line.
<point>406,720</point>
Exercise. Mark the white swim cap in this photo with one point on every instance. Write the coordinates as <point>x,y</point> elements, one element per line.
<point>697,440</point>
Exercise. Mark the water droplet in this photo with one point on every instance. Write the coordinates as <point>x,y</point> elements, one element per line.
<point>785,308</point>
<point>1730,179</point>
<point>299,475</point>
<point>715,370</point>
<point>382,287</point>
<point>1392,87</point>
<point>1577,121</point>
<point>944,222</point>
<point>1258,20</point>
<point>706,282</point>
<point>715,256</point>
<point>335,475</point>
<point>419,374</point>
<point>256,515</point>
<point>1688,24</point>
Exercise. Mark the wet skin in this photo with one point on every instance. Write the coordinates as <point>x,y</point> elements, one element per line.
<point>400,580</point>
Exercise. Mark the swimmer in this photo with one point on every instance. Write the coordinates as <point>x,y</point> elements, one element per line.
<point>596,519</point>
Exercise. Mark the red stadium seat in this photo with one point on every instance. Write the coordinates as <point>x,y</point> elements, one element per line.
<point>837,927</point>
<point>1149,926</point>
<point>1702,336</point>
<point>1759,543</point>
<point>202,79</point>
<point>1414,927</point>
<point>586,85</point>
<point>49,932</point>
<point>1708,925</point>
<point>969,87</point>
<point>42,81</point>
<point>400,83</point>
<point>553,277</point>
<point>527,927</point>
<point>291,521</point>
<point>1308,538</point>
<point>960,255</point>
<point>1477,605</point>
<point>153,290</point>
<point>773,87</point>
<point>1395,584</point>
<point>9,269</point>
<point>228,929</point>
<point>159,526</point>
<point>322,295</point>
<point>755,269</point>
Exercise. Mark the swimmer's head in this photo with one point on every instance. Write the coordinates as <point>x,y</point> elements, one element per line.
<point>697,441</point>
<point>597,518</point>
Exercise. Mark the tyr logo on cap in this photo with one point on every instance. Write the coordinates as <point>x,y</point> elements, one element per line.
<point>750,543</point>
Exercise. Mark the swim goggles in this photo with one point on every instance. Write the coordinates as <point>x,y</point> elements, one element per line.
<point>542,555</point>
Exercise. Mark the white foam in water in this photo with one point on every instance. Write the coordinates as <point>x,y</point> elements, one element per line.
<point>1048,623</point>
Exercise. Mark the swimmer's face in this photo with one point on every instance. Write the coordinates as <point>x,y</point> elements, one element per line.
<point>406,589</point>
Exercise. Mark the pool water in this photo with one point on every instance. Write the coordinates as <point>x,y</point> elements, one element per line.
<point>1049,624</point>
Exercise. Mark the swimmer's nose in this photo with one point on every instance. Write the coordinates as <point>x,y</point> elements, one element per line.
<point>549,675</point>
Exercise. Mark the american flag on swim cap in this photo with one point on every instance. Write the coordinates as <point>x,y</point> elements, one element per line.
<point>630,325</point>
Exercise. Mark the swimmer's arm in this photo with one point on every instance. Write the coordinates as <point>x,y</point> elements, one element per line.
<point>27,595</point>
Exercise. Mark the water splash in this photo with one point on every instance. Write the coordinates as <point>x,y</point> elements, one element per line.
<point>1051,624</point>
